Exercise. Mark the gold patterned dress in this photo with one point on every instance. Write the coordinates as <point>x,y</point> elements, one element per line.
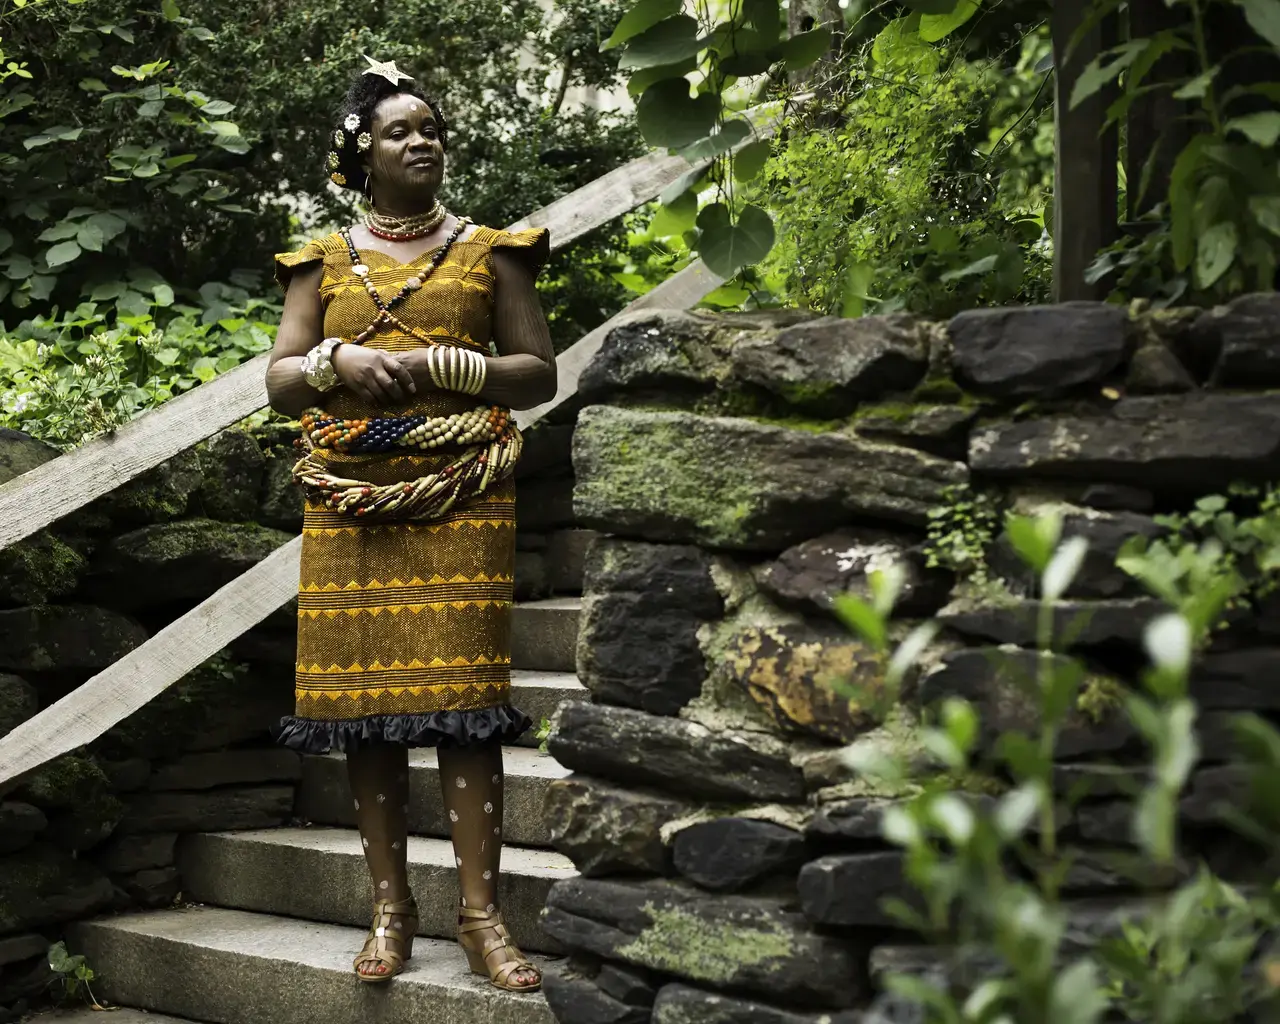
<point>404,628</point>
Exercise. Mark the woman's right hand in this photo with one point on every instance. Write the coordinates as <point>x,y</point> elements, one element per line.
<point>376,376</point>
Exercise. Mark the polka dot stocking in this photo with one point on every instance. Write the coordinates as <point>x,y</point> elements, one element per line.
<point>471,781</point>
<point>379,777</point>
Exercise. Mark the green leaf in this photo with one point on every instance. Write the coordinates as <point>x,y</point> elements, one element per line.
<point>670,118</point>
<point>90,237</point>
<point>746,52</point>
<point>1262,128</point>
<point>1264,18</point>
<point>133,303</point>
<point>1077,996</point>
<point>163,295</point>
<point>1197,87</point>
<point>727,247</point>
<point>643,16</point>
<point>1265,210</point>
<point>668,41</point>
<point>862,619</point>
<point>170,10</point>
<point>93,85</point>
<point>217,108</point>
<point>982,266</point>
<point>109,224</point>
<point>765,16</point>
<point>749,161</point>
<point>226,128</point>
<point>932,6</point>
<point>60,231</point>
<point>645,77</point>
<point>856,289</point>
<point>676,218</point>
<point>1097,74</point>
<point>201,33</point>
<point>1034,538</point>
<point>729,135</point>
<point>802,50</point>
<point>936,27</point>
<point>1215,252</point>
<point>63,252</point>
<point>6,240</point>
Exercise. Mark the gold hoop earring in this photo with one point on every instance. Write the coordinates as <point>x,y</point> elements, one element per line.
<point>368,190</point>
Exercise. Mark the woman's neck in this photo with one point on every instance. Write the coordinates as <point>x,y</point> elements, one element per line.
<point>403,206</point>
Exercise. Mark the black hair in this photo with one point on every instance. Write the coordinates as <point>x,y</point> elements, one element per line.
<point>354,123</point>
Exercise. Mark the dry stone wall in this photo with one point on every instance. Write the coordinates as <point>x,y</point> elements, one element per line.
<point>744,470</point>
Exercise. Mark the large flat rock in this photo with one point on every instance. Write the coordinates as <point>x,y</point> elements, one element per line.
<point>754,945</point>
<point>673,755</point>
<point>1203,440</point>
<point>232,967</point>
<point>734,483</point>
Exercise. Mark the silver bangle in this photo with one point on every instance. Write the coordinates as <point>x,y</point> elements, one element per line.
<point>317,365</point>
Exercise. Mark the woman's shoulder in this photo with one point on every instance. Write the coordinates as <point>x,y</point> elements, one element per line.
<point>315,249</point>
<point>530,246</point>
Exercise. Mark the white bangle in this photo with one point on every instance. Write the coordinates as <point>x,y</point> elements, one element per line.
<point>457,369</point>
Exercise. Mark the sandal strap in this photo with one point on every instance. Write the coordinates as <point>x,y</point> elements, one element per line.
<point>384,930</point>
<point>501,975</point>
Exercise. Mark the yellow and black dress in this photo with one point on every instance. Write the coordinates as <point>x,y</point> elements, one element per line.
<point>404,627</point>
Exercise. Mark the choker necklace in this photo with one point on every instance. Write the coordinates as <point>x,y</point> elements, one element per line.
<point>405,229</point>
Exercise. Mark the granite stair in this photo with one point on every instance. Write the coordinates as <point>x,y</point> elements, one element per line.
<point>272,919</point>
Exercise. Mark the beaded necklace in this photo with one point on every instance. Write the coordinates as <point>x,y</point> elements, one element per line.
<point>385,316</point>
<point>405,229</point>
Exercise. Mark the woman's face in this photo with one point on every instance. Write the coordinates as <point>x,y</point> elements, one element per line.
<point>406,155</point>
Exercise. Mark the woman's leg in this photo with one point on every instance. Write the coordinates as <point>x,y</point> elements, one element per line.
<point>379,777</point>
<point>471,780</point>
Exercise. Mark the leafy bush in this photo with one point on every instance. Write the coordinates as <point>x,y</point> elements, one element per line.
<point>990,875</point>
<point>66,378</point>
<point>1214,230</point>
<point>919,183</point>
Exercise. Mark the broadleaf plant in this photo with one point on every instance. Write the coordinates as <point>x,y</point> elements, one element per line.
<point>692,74</point>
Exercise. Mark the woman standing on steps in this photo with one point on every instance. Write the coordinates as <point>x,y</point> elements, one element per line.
<point>406,339</point>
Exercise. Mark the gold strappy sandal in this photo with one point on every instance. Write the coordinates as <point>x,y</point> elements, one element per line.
<point>390,940</point>
<point>499,974</point>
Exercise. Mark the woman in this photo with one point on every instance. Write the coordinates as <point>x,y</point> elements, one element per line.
<point>405,341</point>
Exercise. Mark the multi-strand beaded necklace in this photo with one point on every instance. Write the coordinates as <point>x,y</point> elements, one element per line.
<point>488,427</point>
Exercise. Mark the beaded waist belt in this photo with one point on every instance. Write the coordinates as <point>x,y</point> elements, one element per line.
<point>494,446</point>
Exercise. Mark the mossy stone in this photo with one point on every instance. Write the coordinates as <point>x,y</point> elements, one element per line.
<point>39,568</point>
<point>232,465</point>
<point>43,886</point>
<point>18,702</point>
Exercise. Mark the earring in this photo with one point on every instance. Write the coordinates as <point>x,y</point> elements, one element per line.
<point>368,191</point>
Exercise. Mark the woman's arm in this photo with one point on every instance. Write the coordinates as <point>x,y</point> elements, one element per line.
<point>523,375</point>
<point>373,375</point>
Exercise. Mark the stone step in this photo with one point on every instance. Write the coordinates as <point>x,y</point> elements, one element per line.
<point>319,874</point>
<point>544,634</point>
<point>538,694</point>
<point>233,967</point>
<point>324,797</point>
<point>119,1015</point>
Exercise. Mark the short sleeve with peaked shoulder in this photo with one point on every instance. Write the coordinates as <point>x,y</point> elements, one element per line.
<point>532,246</point>
<point>315,251</point>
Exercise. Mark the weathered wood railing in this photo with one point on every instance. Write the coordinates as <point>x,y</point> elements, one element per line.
<point>37,498</point>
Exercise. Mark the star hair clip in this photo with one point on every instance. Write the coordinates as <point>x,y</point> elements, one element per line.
<point>387,69</point>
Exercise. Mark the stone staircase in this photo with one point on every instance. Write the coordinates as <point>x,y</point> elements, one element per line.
<point>276,916</point>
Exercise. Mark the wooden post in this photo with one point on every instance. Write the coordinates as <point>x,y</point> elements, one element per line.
<point>1085,198</point>
<point>1158,128</point>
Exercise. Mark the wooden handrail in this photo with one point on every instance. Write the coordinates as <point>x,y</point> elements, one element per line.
<point>149,669</point>
<point>42,495</point>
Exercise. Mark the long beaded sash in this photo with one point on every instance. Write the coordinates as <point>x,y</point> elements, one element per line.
<point>496,446</point>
